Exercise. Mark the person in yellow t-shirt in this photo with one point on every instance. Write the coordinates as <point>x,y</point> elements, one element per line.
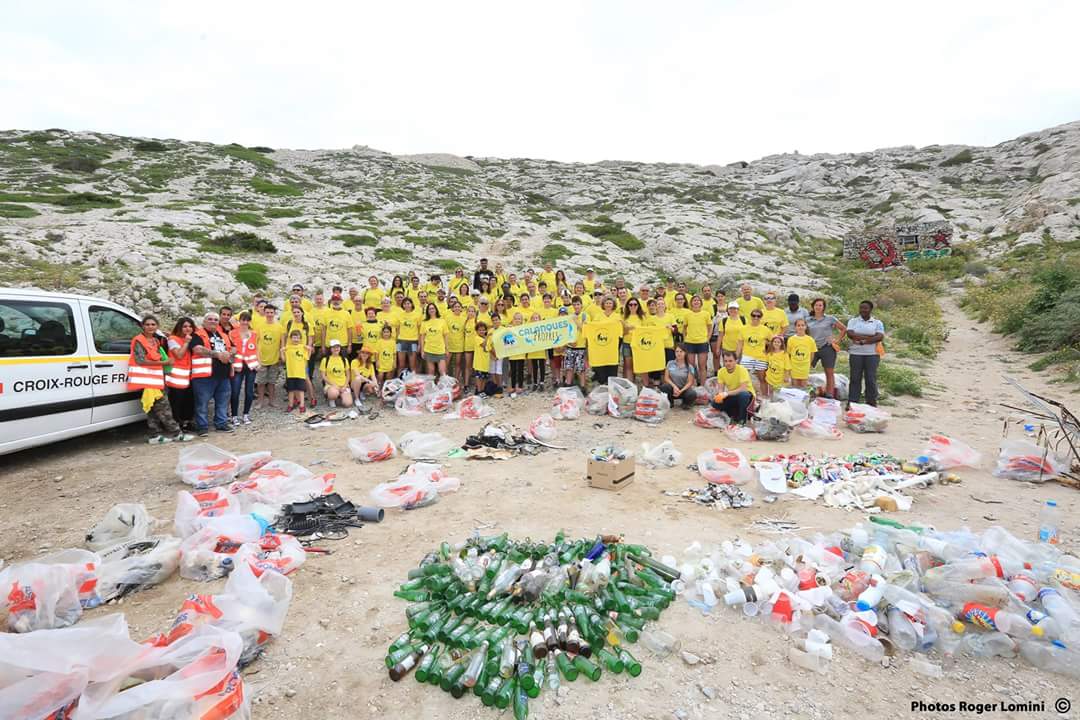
<point>548,310</point>
<point>603,332</point>
<point>433,341</point>
<point>537,360</point>
<point>471,315</point>
<point>295,354</point>
<point>697,324</point>
<point>574,356</point>
<point>298,291</point>
<point>372,295</point>
<point>455,341</point>
<point>386,350</point>
<point>481,356</point>
<point>801,348</point>
<point>755,337</point>
<point>679,307</point>
<point>663,318</point>
<point>590,282</point>
<point>362,369</point>
<point>730,329</point>
<point>633,318</point>
<point>370,330</point>
<point>258,313</point>
<point>317,318</point>
<point>779,366</point>
<point>748,301</point>
<point>354,301</point>
<point>338,324</point>
<point>736,389</point>
<point>389,314</point>
<point>773,317</point>
<point>335,373</point>
<point>408,336</point>
<point>414,289</point>
<point>268,348</point>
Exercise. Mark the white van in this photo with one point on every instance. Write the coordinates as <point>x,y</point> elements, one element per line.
<point>63,367</point>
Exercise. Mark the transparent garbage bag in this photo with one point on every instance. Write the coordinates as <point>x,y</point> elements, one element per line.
<point>434,474</point>
<point>651,407</point>
<point>770,429</point>
<point>597,402</point>
<point>708,417</point>
<point>783,410</point>
<point>946,452</point>
<point>543,428</point>
<point>211,551</point>
<point>826,411</point>
<point>725,466</point>
<point>135,565</point>
<point>740,433</point>
<point>417,385</point>
<point>1027,462</point>
<point>840,382</point>
<point>866,418</point>
<point>39,596</point>
<point>473,407</point>
<point>568,403</point>
<point>191,507</point>
<point>622,397</point>
<point>374,447</point>
<point>449,384</point>
<point>711,388</point>
<point>415,444</point>
<point>391,389</point>
<point>409,405</point>
<point>205,465</point>
<point>404,493</point>
<point>818,430</point>
<point>439,401</point>
<point>664,454</point>
<point>125,521</point>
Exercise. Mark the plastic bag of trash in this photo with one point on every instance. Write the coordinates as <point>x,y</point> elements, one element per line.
<point>409,405</point>
<point>771,429</point>
<point>417,444</point>
<point>711,388</point>
<point>205,465</point>
<point>790,413</point>
<point>125,521</point>
<point>40,596</point>
<point>280,482</point>
<point>708,417</point>
<point>250,462</point>
<point>195,677</point>
<point>274,552</point>
<point>434,474</point>
<point>420,386</point>
<point>818,430</point>
<point>404,493</point>
<point>725,466</point>
<point>663,455</point>
<point>192,507</point>
<point>391,389</point>
<point>543,428</point>
<point>651,407</point>
<point>622,397</point>
<point>253,606</point>
<point>449,384</point>
<point>473,407</point>
<point>1027,462</point>
<point>826,411</point>
<point>866,418</point>
<point>817,381</point>
<point>439,401</point>
<point>568,403</point>
<point>375,447</point>
<point>210,552</point>
<point>740,433</point>
<point>597,402</point>
<point>135,565</point>
<point>945,453</point>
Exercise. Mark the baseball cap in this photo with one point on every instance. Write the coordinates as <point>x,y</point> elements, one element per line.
<point>733,304</point>
<point>335,342</point>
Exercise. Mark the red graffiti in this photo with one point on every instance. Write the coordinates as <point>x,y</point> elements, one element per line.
<point>880,253</point>
<point>941,240</point>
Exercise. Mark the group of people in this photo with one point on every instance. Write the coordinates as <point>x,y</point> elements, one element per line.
<point>348,344</point>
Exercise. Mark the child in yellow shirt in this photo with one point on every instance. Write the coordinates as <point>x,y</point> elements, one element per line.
<point>295,354</point>
<point>779,365</point>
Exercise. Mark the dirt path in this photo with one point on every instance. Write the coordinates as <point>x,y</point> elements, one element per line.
<point>328,661</point>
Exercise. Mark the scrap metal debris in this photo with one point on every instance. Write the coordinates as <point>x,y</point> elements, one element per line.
<point>721,497</point>
<point>502,441</point>
<point>325,518</point>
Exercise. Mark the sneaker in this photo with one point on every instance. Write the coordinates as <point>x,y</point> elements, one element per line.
<point>158,440</point>
<point>235,421</point>
<point>303,410</point>
<point>513,395</point>
<point>205,432</point>
<point>225,429</point>
<point>247,419</point>
<point>184,437</point>
<point>358,402</point>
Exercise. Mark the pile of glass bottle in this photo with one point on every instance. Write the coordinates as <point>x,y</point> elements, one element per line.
<point>502,619</point>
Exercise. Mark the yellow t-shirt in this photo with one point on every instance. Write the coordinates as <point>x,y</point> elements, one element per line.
<point>631,323</point>
<point>775,320</point>
<point>348,305</point>
<point>546,313</point>
<point>361,370</point>
<point>603,342</point>
<point>779,365</point>
<point>372,297</point>
<point>755,337</point>
<point>698,325</point>
<point>481,359</point>
<point>591,285</point>
<point>370,332</point>
<point>709,306</point>
<point>257,321</point>
<point>409,329</point>
<point>296,360</point>
<point>295,325</point>
<point>338,323</point>
<point>317,319</point>
<point>305,304</point>
<point>580,342</point>
<point>455,326</point>
<point>667,320</point>
<point>434,336</point>
<point>387,355</point>
<point>731,381</point>
<point>680,318</point>
<point>470,333</point>
<point>748,306</point>
<point>335,370</point>
<point>269,344</point>
<point>669,297</point>
<point>801,349</point>
<point>732,330</point>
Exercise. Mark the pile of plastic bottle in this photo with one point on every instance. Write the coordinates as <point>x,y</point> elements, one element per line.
<point>881,588</point>
<point>803,468</point>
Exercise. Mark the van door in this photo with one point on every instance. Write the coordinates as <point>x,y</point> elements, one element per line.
<point>110,331</point>
<point>45,375</point>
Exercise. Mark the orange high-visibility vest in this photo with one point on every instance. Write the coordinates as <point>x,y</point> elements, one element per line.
<point>179,376</point>
<point>247,352</point>
<point>143,377</point>
<point>203,367</point>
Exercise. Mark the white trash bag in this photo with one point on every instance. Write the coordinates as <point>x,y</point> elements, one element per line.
<point>191,508</point>
<point>711,418</point>
<point>866,418</point>
<point>439,401</point>
<point>711,388</point>
<point>740,433</point>
<point>597,402</point>
<point>1027,462</point>
<point>416,445</point>
<point>841,383</point>
<point>663,455</point>
<point>946,453</point>
<point>38,596</point>
<point>568,404</point>
<point>212,550</point>
<point>375,447</point>
<point>449,384</point>
<point>783,410</point>
<point>651,407</point>
<point>818,430</point>
<point>125,521</point>
<point>391,389</point>
<point>404,493</point>
<point>434,474</point>
<point>543,428</point>
<point>622,397</point>
<point>205,465</point>
<point>409,405</point>
<point>725,466</point>
<point>135,565</point>
<point>473,407</point>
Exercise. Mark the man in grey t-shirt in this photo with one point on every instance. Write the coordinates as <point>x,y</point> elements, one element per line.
<point>864,332</point>
<point>794,312</point>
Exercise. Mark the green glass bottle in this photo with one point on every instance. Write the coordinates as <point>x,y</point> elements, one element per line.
<point>631,665</point>
<point>523,671</point>
<point>415,584</point>
<point>552,674</point>
<point>611,660</point>
<point>441,666</point>
<point>505,694</point>
<point>481,683</point>
<point>521,704</point>
<point>400,641</point>
<point>566,667</point>
<point>631,620</point>
<point>537,681</point>
<point>413,595</point>
<point>587,667</point>
<point>459,632</point>
<point>647,612</point>
<point>423,670</point>
<point>448,626</point>
<point>444,550</point>
<point>414,610</point>
<point>560,537</point>
<point>451,676</point>
<point>393,658</point>
<point>492,689</point>
<point>402,668</point>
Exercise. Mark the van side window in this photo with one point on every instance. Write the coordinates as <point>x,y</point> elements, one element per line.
<point>112,329</point>
<point>30,328</point>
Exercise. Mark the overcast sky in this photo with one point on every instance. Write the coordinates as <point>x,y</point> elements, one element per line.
<point>703,82</point>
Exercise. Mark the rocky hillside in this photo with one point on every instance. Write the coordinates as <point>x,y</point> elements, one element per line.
<point>170,224</point>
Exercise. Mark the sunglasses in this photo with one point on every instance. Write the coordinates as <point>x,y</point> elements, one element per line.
<point>757,315</point>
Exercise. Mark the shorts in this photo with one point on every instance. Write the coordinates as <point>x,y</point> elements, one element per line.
<point>625,350</point>
<point>477,375</point>
<point>268,375</point>
<point>753,364</point>
<point>574,359</point>
<point>408,346</point>
<point>434,358</point>
<point>296,384</point>
<point>697,348</point>
<point>827,355</point>
<point>497,366</point>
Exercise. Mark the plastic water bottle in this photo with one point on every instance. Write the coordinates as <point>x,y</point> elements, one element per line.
<point>990,644</point>
<point>1050,523</point>
<point>1054,657</point>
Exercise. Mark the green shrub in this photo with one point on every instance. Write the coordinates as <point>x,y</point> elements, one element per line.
<point>612,232</point>
<point>243,241</point>
<point>282,212</point>
<point>170,231</point>
<point>446,264</point>
<point>264,186</point>
<point>11,210</point>
<point>254,157</point>
<point>150,146</point>
<point>245,218</point>
<point>893,379</point>
<point>917,166</point>
<point>356,240</point>
<point>261,149</point>
<point>960,158</point>
<point>398,254</point>
<point>253,275</point>
<point>87,201</point>
<point>554,252</point>
<point>78,164</point>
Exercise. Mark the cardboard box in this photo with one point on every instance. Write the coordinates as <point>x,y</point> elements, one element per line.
<point>610,475</point>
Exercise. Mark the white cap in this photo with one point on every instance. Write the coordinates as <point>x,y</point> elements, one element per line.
<point>733,304</point>
<point>335,342</point>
